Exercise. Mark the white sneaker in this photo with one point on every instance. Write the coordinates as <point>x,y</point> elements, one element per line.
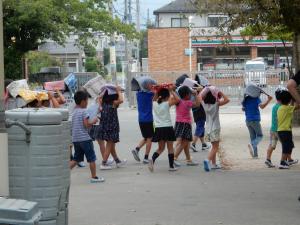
<point>176,163</point>
<point>205,146</point>
<point>122,163</point>
<point>146,161</point>
<point>216,167</point>
<point>151,166</point>
<point>110,162</point>
<point>191,163</point>
<point>105,167</point>
<point>194,148</point>
<point>173,169</point>
<point>81,164</point>
<point>97,180</point>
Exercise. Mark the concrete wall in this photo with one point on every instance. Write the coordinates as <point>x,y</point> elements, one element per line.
<point>165,19</point>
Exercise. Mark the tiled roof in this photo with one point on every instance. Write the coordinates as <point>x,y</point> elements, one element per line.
<point>177,6</point>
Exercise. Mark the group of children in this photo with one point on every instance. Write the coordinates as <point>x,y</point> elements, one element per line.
<point>155,122</point>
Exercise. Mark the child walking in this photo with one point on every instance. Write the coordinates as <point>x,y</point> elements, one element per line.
<point>285,117</point>
<point>144,102</point>
<point>109,127</point>
<point>251,107</point>
<point>183,126</point>
<point>199,119</point>
<point>212,100</point>
<point>164,132</point>
<point>273,131</point>
<point>82,142</point>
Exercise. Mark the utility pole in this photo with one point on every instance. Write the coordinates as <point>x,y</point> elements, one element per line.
<point>4,188</point>
<point>112,49</point>
<point>138,29</point>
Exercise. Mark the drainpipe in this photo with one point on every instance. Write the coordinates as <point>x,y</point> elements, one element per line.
<point>4,186</point>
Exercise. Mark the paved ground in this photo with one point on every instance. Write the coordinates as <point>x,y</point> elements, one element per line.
<point>248,194</point>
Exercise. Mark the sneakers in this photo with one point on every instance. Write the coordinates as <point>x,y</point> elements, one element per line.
<point>105,167</point>
<point>146,161</point>
<point>81,164</point>
<point>135,154</point>
<point>269,163</point>
<point>191,163</point>
<point>110,162</point>
<point>151,165</point>
<point>173,169</point>
<point>293,162</point>
<point>121,164</point>
<point>251,151</point>
<point>176,163</point>
<point>205,147</point>
<point>216,167</point>
<point>284,165</point>
<point>193,147</point>
<point>206,165</point>
<point>97,180</point>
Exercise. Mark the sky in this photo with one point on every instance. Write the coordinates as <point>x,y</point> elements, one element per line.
<point>145,5</point>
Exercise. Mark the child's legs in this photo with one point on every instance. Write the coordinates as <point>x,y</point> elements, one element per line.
<point>186,148</point>
<point>93,169</point>
<point>78,154</point>
<point>256,134</point>
<point>179,147</point>
<point>272,145</point>
<point>161,147</point>
<point>170,146</point>
<point>89,152</point>
<point>195,139</point>
<point>101,144</point>
<point>286,139</point>
<point>148,146</point>
<point>213,153</point>
<point>141,144</point>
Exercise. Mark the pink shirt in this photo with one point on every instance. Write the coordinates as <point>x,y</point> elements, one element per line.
<point>183,111</point>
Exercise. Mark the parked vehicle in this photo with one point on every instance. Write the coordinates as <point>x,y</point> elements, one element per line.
<point>255,72</point>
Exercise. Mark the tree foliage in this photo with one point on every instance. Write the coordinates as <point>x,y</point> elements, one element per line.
<point>29,22</point>
<point>271,17</point>
<point>38,60</point>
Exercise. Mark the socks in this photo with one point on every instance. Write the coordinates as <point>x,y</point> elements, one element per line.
<point>146,157</point>
<point>171,160</point>
<point>155,156</point>
<point>137,149</point>
<point>117,160</point>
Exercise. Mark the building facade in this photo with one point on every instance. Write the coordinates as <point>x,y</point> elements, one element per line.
<point>178,22</point>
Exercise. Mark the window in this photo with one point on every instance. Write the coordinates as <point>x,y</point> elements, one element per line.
<point>179,22</point>
<point>215,21</point>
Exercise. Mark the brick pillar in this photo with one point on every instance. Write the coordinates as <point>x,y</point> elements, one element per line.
<point>253,52</point>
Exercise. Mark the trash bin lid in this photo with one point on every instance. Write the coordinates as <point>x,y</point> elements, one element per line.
<point>35,117</point>
<point>63,111</point>
<point>14,211</point>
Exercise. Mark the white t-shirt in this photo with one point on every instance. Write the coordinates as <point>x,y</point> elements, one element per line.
<point>161,114</point>
<point>212,117</point>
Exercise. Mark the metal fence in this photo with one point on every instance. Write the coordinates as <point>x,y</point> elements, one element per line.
<point>230,82</point>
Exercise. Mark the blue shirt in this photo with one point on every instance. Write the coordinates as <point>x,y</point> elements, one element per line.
<point>251,107</point>
<point>79,131</point>
<point>144,102</point>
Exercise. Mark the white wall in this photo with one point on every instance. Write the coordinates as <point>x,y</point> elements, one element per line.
<point>165,19</point>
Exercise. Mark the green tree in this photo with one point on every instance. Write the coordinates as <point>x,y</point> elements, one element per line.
<point>28,22</point>
<point>38,60</point>
<point>260,14</point>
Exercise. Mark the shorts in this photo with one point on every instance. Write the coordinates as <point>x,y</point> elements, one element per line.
<point>147,129</point>
<point>273,139</point>
<point>183,131</point>
<point>84,148</point>
<point>164,134</point>
<point>200,130</point>
<point>286,139</point>
<point>213,136</point>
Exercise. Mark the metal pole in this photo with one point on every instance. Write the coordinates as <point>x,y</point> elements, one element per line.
<point>190,43</point>
<point>138,29</point>
<point>113,60</point>
<point>4,186</point>
<point>127,55</point>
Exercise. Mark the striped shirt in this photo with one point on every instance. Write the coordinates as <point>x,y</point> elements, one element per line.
<point>79,131</point>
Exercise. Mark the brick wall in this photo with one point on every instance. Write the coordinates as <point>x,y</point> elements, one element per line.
<point>166,50</point>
